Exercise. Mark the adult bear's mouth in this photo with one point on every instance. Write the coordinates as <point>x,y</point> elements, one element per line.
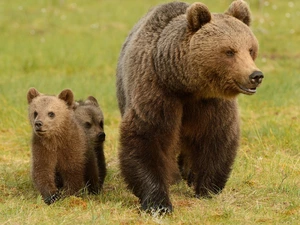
<point>247,91</point>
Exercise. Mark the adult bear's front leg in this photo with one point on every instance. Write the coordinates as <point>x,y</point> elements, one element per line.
<point>146,159</point>
<point>210,144</point>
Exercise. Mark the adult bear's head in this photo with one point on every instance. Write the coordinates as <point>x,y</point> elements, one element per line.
<point>222,50</point>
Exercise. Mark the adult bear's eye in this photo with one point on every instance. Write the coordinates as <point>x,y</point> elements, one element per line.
<point>35,114</point>
<point>230,53</point>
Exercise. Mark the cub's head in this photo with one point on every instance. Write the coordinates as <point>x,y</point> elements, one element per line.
<point>223,50</point>
<point>48,114</point>
<point>90,116</point>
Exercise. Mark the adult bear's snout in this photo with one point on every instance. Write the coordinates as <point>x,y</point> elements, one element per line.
<point>256,77</point>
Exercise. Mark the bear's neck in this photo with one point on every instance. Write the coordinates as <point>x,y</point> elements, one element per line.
<point>171,57</point>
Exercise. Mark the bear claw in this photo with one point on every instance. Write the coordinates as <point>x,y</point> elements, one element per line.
<point>52,198</point>
<point>157,209</point>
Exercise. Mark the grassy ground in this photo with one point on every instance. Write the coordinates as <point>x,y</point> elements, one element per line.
<point>59,44</point>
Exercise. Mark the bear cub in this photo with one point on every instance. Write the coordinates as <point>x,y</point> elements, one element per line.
<point>60,152</point>
<point>90,116</point>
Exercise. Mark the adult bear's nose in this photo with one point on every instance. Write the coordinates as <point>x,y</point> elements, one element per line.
<point>256,77</point>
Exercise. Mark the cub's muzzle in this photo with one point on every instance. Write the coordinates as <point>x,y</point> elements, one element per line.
<point>38,125</point>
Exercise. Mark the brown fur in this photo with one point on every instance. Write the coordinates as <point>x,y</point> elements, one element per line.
<point>59,145</point>
<point>179,72</point>
<point>90,117</point>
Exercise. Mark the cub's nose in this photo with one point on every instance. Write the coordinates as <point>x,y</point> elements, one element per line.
<point>101,136</point>
<point>256,77</point>
<point>38,124</point>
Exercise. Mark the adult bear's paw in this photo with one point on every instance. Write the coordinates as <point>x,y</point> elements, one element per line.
<point>52,198</point>
<point>160,209</point>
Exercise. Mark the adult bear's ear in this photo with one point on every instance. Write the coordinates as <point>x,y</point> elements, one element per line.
<point>197,15</point>
<point>68,97</point>
<point>240,10</point>
<point>31,94</point>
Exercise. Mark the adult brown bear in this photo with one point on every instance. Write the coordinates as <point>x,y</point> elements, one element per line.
<point>179,72</point>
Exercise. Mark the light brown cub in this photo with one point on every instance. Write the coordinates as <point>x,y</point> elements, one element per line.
<point>59,145</point>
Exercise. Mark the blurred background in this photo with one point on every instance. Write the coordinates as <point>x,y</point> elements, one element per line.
<point>57,44</point>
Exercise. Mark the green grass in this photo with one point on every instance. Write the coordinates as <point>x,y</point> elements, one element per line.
<point>57,44</point>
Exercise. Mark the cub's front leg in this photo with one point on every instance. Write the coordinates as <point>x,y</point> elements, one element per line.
<point>43,175</point>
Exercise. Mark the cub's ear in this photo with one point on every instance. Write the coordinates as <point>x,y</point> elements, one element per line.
<point>76,104</point>
<point>197,15</point>
<point>32,93</point>
<point>92,100</point>
<point>68,97</point>
<point>240,10</point>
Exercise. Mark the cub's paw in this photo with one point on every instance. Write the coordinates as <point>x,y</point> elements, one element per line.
<point>52,198</point>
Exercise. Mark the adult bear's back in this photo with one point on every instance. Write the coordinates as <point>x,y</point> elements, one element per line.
<point>144,35</point>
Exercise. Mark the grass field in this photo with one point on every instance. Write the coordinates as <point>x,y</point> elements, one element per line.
<point>57,44</point>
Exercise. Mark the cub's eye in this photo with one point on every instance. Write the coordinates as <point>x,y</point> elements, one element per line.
<point>101,124</point>
<point>87,125</point>
<point>230,53</point>
<point>251,52</point>
<point>51,114</point>
<point>35,114</point>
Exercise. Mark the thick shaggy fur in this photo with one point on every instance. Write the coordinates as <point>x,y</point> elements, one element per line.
<point>179,72</point>
<point>59,146</point>
<point>90,117</point>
